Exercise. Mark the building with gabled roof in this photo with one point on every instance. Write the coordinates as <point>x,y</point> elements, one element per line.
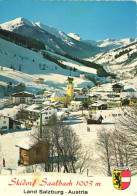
<point>33,151</point>
<point>22,97</point>
<point>118,87</point>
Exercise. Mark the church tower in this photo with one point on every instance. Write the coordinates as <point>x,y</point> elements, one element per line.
<point>70,89</point>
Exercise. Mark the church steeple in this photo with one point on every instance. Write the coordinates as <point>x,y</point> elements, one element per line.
<point>70,89</point>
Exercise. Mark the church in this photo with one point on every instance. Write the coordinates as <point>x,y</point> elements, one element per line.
<point>64,98</point>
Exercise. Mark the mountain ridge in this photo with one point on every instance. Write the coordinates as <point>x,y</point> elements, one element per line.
<point>57,41</point>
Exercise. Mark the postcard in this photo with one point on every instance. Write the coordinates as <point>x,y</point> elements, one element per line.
<point>68,98</point>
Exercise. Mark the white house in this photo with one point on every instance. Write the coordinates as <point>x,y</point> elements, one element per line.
<point>4,122</point>
<point>22,97</point>
<point>75,105</point>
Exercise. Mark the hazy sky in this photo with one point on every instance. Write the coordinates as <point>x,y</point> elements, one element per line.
<point>93,20</point>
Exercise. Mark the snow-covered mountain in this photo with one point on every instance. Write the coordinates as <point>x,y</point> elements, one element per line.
<point>110,44</point>
<point>75,36</point>
<point>122,61</point>
<point>21,65</point>
<point>54,39</point>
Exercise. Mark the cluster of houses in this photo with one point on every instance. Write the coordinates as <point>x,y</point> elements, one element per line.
<point>32,108</point>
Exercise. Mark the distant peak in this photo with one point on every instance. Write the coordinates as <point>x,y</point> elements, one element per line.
<point>74,36</point>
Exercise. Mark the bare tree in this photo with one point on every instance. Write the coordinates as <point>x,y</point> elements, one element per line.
<point>65,147</point>
<point>118,148</point>
<point>104,150</point>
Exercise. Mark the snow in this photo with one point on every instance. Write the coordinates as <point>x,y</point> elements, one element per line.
<point>74,36</point>
<point>54,76</point>
<point>80,67</point>
<point>26,143</point>
<point>22,137</point>
<point>11,25</point>
<point>53,31</point>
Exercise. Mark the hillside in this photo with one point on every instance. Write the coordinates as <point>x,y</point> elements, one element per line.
<point>20,64</point>
<point>54,39</point>
<point>122,61</point>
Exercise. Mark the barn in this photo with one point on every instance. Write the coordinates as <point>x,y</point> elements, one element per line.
<point>95,119</point>
<point>32,151</point>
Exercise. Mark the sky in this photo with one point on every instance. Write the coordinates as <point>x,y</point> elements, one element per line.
<point>94,20</point>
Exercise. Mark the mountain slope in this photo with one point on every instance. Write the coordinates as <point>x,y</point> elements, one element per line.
<point>54,39</point>
<point>122,61</point>
<point>18,64</point>
<point>110,44</point>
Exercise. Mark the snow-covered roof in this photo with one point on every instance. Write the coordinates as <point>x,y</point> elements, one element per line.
<point>60,113</point>
<point>81,96</point>
<point>118,84</point>
<point>99,103</point>
<point>96,117</point>
<point>76,102</point>
<point>27,143</point>
<point>58,94</point>
<point>23,93</point>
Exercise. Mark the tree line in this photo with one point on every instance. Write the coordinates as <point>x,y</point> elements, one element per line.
<point>22,40</point>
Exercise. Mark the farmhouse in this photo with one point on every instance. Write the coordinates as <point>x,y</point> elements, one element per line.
<point>32,151</point>
<point>22,97</point>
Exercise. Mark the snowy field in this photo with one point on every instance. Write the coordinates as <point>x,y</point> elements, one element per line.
<point>33,66</point>
<point>9,139</point>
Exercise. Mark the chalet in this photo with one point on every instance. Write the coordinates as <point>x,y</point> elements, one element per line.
<point>32,151</point>
<point>75,105</point>
<point>118,88</point>
<point>94,119</point>
<point>128,98</point>
<point>95,97</point>
<point>22,97</point>
<point>98,105</point>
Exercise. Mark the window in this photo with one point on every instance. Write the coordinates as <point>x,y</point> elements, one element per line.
<point>4,122</point>
<point>46,117</point>
<point>38,150</point>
